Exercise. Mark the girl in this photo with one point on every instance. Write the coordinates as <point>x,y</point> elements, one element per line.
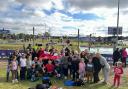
<point>81,69</point>
<point>118,71</point>
<point>14,66</point>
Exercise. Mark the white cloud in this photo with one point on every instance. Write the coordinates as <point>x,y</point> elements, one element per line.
<point>32,15</point>
<point>58,4</point>
<point>36,4</point>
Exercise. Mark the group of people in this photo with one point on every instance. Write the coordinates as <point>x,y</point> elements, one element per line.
<point>120,55</point>
<point>84,66</point>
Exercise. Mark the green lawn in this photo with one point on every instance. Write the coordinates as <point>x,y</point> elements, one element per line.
<point>27,84</point>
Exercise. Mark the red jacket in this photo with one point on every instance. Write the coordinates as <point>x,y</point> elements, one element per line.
<point>49,68</point>
<point>118,70</point>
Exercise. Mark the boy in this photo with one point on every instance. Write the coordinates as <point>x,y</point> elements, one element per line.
<point>49,68</point>
<point>89,70</point>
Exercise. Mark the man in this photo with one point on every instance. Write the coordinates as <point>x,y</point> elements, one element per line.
<point>116,56</point>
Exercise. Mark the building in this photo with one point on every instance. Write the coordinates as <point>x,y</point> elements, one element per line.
<point>3,31</point>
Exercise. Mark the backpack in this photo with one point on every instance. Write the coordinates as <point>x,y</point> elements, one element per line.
<point>69,83</point>
<point>47,81</point>
<point>79,83</point>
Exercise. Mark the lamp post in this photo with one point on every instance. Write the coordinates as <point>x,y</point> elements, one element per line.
<point>118,13</point>
<point>33,36</point>
<point>78,40</point>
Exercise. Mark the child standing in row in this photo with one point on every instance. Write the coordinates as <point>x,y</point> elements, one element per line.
<point>82,69</point>
<point>118,71</point>
<point>90,69</point>
<point>14,66</point>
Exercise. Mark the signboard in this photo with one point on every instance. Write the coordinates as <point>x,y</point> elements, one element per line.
<point>113,30</point>
<point>4,32</point>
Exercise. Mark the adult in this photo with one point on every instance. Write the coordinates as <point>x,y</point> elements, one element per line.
<point>64,65</point>
<point>75,65</point>
<point>86,52</point>
<point>97,68</point>
<point>67,51</point>
<point>34,54</point>
<point>116,56</point>
<point>105,67</point>
<point>124,56</point>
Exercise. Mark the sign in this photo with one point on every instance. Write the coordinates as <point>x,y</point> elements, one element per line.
<point>113,30</point>
<point>4,32</point>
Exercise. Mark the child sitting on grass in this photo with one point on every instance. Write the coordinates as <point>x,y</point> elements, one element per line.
<point>57,69</point>
<point>49,69</point>
<point>33,73</point>
<point>118,71</point>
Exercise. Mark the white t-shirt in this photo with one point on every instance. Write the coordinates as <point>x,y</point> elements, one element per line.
<point>23,62</point>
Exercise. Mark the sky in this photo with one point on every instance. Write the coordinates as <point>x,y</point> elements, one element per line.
<point>63,17</point>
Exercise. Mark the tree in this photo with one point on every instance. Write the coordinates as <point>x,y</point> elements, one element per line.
<point>47,34</point>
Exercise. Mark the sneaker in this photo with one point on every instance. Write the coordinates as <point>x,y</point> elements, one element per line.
<point>16,80</point>
<point>13,81</point>
<point>71,76</point>
<point>65,77</point>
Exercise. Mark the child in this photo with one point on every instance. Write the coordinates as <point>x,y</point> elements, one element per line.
<point>57,69</point>
<point>33,73</point>
<point>28,64</point>
<point>81,69</point>
<point>118,71</point>
<point>49,68</point>
<point>14,66</point>
<point>23,67</point>
<point>90,69</point>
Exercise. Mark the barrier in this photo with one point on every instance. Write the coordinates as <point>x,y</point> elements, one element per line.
<point>7,53</point>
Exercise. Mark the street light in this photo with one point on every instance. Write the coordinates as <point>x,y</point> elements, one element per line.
<point>117,25</point>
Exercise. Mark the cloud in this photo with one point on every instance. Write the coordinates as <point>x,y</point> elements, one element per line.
<point>62,17</point>
<point>90,4</point>
<point>36,4</point>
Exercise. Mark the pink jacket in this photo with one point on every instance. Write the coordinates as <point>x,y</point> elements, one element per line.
<point>81,66</point>
<point>124,53</point>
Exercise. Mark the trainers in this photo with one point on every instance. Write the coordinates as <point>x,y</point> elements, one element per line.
<point>65,77</point>
<point>13,81</point>
<point>16,80</point>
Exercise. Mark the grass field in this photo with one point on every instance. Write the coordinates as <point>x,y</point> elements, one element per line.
<point>26,84</point>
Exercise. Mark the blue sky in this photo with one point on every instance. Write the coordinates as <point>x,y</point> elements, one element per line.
<point>62,17</point>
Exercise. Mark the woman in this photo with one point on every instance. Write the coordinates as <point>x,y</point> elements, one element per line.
<point>97,68</point>
<point>105,67</point>
<point>75,65</point>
